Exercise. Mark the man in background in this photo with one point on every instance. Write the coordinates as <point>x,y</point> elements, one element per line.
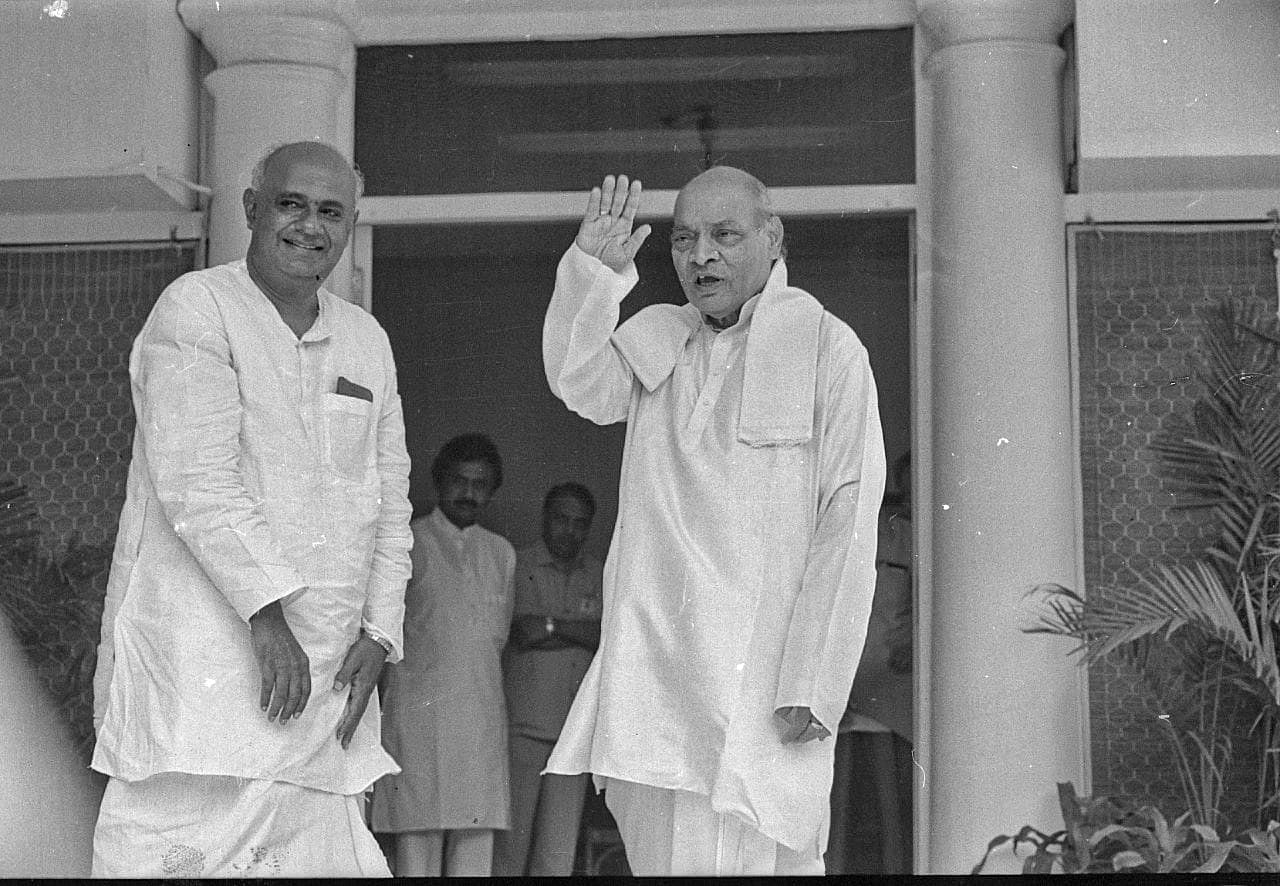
<point>258,578</point>
<point>554,634</point>
<point>444,719</point>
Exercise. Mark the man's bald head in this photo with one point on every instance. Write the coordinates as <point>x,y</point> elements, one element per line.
<point>722,178</point>
<point>306,150</point>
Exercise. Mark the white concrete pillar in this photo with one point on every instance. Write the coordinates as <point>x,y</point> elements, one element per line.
<point>286,72</point>
<point>1006,709</point>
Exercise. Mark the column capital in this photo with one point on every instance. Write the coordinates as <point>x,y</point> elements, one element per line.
<point>951,22</point>
<point>317,33</point>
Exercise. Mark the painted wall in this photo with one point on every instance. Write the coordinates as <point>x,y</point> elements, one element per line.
<point>96,96</point>
<point>1178,94</point>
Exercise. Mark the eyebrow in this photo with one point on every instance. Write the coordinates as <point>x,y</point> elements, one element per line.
<point>723,223</point>
<point>298,195</point>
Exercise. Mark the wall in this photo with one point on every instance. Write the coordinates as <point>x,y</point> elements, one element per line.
<point>106,95</point>
<point>1178,94</point>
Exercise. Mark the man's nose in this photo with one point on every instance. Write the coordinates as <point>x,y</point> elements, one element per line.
<point>310,220</point>
<point>703,251</point>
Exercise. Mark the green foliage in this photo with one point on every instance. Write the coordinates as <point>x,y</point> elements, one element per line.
<point>1103,836</point>
<point>53,604</point>
<point>1204,634</point>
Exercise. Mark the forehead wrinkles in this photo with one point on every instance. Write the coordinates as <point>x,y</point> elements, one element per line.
<point>710,205</point>
<point>318,178</point>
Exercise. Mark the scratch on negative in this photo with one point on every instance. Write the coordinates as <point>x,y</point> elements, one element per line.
<point>924,776</point>
<point>195,352</point>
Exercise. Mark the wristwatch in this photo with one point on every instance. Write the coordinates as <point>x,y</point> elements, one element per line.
<point>381,641</point>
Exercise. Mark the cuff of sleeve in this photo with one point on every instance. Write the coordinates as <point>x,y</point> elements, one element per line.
<point>396,653</point>
<point>592,272</point>
<point>247,605</point>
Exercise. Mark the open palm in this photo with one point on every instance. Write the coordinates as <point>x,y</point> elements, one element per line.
<point>606,230</point>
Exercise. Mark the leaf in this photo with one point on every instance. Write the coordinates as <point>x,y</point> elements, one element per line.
<point>1206,833</point>
<point>1217,856</point>
<point>995,843</point>
<point>1127,859</point>
<point>1040,863</point>
<point>1110,831</point>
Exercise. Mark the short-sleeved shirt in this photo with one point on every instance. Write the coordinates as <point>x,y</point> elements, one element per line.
<point>541,683</point>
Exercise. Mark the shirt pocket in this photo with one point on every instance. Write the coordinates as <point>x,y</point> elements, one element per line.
<point>348,425</point>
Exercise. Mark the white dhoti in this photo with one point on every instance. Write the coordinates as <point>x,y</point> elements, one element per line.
<point>672,833</point>
<point>181,825</point>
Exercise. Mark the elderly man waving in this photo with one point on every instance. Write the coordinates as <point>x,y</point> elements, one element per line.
<point>740,578</point>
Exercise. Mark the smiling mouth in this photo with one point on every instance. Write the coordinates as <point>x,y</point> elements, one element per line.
<point>308,247</point>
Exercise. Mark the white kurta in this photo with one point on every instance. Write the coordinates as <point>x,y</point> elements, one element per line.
<point>444,718</point>
<point>740,577</point>
<point>252,480</point>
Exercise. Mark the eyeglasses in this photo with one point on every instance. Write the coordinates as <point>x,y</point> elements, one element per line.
<point>724,238</point>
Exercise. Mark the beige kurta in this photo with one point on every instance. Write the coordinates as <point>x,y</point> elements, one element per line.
<point>444,719</point>
<point>252,480</point>
<point>740,577</point>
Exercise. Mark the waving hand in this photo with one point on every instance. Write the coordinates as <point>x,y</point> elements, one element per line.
<point>605,231</point>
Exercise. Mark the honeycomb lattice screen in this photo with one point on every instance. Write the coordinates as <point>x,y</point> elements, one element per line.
<point>68,317</point>
<point>1140,296</point>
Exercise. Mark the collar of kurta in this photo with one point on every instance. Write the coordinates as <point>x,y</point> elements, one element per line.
<point>780,377</point>
<point>444,528</point>
<point>320,329</point>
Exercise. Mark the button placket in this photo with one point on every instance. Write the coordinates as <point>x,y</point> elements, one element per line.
<point>719,361</point>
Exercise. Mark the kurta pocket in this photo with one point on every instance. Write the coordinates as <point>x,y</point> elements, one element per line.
<point>347,423</point>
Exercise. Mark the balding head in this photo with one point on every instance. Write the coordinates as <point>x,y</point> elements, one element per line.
<point>731,178</point>
<point>286,152</point>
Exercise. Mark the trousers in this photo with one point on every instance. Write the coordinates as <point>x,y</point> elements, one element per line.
<point>671,833</point>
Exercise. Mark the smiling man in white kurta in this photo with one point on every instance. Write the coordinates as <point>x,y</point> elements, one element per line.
<point>259,571</point>
<point>740,578</point>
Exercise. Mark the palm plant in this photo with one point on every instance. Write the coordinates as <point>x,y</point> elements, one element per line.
<point>1204,634</point>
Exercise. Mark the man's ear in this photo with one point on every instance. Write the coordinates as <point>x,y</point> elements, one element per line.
<point>774,228</point>
<point>250,199</point>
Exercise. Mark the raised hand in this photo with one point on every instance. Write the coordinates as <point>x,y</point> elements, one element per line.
<point>605,232</point>
<point>285,668</point>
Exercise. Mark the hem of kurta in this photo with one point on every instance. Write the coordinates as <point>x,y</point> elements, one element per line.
<point>131,774</point>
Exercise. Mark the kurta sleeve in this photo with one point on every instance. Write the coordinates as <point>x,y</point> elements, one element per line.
<point>383,614</point>
<point>829,622</point>
<point>583,367</point>
<point>189,420</point>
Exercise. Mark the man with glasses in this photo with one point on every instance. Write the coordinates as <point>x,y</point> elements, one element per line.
<point>740,578</point>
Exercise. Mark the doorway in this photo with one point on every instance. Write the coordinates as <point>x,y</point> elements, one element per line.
<point>463,307</point>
